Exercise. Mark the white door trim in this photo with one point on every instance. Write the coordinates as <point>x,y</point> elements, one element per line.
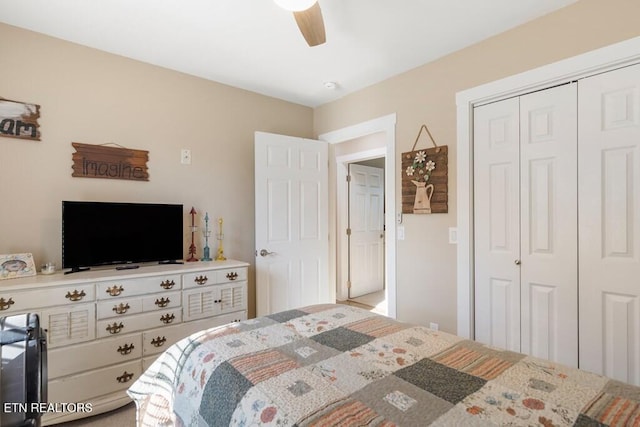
<point>590,63</point>
<point>342,213</point>
<point>386,124</point>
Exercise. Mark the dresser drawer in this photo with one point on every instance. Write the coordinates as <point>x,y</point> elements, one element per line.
<point>143,285</point>
<point>199,279</point>
<point>118,307</point>
<point>20,301</point>
<point>124,325</point>
<point>231,275</point>
<point>80,388</point>
<point>161,301</point>
<point>73,359</point>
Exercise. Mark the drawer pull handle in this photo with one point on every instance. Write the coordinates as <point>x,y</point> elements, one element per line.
<point>201,280</point>
<point>127,349</point>
<point>162,302</point>
<point>115,328</point>
<point>168,284</point>
<point>4,305</point>
<point>115,290</point>
<point>167,318</point>
<point>122,308</point>
<point>232,276</point>
<point>75,295</point>
<point>158,342</point>
<point>124,378</point>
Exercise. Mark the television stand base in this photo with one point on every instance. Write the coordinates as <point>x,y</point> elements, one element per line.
<point>173,261</point>
<point>127,267</point>
<point>77,270</point>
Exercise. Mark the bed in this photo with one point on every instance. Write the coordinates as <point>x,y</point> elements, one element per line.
<point>339,365</point>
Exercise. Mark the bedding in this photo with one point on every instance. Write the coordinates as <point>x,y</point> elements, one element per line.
<point>338,365</point>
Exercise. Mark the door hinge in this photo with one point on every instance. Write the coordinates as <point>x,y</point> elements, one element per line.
<point>348,232</point>
<point>348,178</point>
<point>348,284</point>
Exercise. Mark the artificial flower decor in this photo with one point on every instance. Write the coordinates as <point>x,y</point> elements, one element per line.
<point>421,168</point>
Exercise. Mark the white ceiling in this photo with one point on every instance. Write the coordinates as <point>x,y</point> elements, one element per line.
<point>255,45</point>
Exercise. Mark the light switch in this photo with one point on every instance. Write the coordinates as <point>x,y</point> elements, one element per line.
<point>400,232</point>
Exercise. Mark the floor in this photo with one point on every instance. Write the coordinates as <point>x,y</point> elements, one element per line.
<point>375,302</point>
<point>122,417</point>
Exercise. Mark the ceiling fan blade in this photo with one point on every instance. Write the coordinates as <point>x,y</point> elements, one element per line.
<point>311,25</point>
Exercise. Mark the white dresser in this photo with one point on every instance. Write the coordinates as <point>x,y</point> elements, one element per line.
<point>105,327</point>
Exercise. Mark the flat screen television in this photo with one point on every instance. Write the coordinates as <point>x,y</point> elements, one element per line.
<point>110,233</point>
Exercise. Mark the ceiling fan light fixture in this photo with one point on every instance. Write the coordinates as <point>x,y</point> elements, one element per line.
<point>295,5</point>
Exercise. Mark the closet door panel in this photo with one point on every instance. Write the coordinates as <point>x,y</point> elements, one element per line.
<point>496,224</point>
<point>548,203</point>
<point>609,226</point>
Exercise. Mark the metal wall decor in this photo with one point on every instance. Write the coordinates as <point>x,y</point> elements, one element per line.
<point>424,178</point>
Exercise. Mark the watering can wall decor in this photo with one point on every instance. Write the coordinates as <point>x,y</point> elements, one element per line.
<point>424,178</point>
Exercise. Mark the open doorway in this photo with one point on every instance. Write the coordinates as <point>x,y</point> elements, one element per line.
<point>382,129</point>
<point>360,208</point>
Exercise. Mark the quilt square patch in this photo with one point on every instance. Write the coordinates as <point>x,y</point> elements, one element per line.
<point>300,391</point>
<point>547,381</point>
<point>438,379</point>
<point>504,406</point>
<point>260,366</point>
<point>274,335</point>
<point>376,326</point>
<point>346,412</point>
<point>306,351</point>
<point>477,360</point>
<point>379,354</point>
<point>613,410</point>
<point>342,339</point>
<point>256,408</point>
<point>402,403</point>
<point>285,316</point>
<point>216,409</point>
<point>346,372</point>
<point>422,341</point>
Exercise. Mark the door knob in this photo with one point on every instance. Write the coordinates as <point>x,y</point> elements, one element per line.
<point>517,262</point>
<point>264,252</point>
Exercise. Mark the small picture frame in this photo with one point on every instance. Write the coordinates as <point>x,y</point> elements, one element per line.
<point>14,266</point>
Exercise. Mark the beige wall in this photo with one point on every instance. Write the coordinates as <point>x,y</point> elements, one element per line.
<point>94,97</point>
<point>426,278</point>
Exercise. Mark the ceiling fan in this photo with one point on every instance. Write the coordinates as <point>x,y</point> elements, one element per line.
<point>308,16</point>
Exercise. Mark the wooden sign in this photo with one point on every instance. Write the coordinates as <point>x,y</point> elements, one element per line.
<point>19,120</point>
<point>414,186</point>
<point>99,161</point>
<point>424,178</point>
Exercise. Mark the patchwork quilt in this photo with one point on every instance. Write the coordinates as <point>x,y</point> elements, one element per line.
<point>338,365</point>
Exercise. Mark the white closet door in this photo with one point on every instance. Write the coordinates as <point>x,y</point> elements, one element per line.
<point>497,224</point>
<point>609,203</point>
<point>548,212</point>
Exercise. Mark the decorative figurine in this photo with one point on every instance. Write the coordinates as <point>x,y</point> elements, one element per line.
<point>220,237</point>
<point>192,247</point>
<point>206,233</point>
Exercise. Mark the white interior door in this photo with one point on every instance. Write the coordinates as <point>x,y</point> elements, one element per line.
<point>548,213</point>
<point>609,227</point>
<point>366,225</point>
<point>292,236</point>
<point>497,224</point>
